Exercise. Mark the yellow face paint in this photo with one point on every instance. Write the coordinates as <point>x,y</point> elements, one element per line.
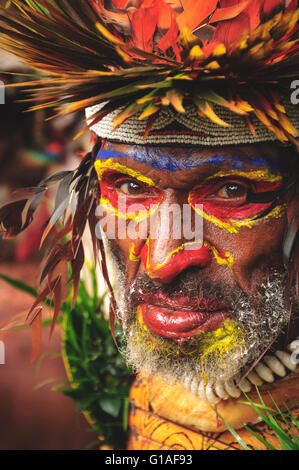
<point>202,202</point>
<point>174,252</point>
<point>234,226</point>
<point>217,344</point>
<point>265,175</point>
<point>176,260</point>
<point>137,216</point>
<point>110,164</point>
<point>134,254</point>
<point>214,345</point>
<point>223,259</point>
<point>125,206</point>
<point>222,340</point>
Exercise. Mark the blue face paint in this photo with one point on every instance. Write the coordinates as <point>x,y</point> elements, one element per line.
<point>263,162</point>
<point>106,154</point>
<point>172,164</point>
<point>161,162</point>
<point>216,160</point>
<point>238,162</point>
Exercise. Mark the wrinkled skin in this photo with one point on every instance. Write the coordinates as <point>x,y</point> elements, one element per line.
<point>220,179</point>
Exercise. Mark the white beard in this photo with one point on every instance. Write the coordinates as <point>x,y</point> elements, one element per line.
<point>260,330</point>
<point>173,361</point>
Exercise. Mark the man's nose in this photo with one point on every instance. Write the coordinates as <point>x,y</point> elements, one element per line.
<point>166,252</point>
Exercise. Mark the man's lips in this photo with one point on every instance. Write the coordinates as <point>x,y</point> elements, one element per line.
<point>181,302</point>
<point>181,324</point>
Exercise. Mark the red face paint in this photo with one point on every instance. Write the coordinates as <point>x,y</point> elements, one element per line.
<point>176,261</point>
<point>234,208</point>
<point>110,187</point>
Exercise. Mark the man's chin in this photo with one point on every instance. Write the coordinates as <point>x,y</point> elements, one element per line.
<point>240,331</point>
<point>210,355</point>
<point>222,351</point>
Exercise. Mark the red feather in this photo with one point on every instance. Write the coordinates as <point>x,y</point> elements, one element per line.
<point>170,38</point>
<point>228,31</point>
<point>144,23</point>
<point>192,16</point>
<point>229,12</point>
<point>270,5</point>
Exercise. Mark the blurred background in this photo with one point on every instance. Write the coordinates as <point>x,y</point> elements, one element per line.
<point>32,415</point>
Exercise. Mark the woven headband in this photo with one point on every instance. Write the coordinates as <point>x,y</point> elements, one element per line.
<point>171,127</point>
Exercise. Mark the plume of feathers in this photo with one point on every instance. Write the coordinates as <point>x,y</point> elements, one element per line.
<point>155,53</point>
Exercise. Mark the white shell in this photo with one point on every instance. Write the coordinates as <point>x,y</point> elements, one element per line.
<point>211,397</point>
<point>221,392</point>
<point>264,372</point>
<point>231,389</point>
<point>194,386</point>
<point>285,358</point>
<point>201,390</point>
<point>275,365</point>
<point>254,378</point>
<point>244,385</point>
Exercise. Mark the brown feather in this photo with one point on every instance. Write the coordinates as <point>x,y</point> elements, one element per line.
<point>36,329</point>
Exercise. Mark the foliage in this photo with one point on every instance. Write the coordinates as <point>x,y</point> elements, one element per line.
<point>283,424</point>
<point>99,379</point>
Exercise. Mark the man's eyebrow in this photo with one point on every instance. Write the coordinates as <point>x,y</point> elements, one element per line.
<point>240,162</point>
<point>162,162</point>
<point>172,164</point>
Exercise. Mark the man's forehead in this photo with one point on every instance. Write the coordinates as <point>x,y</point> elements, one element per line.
<point>174,159</point>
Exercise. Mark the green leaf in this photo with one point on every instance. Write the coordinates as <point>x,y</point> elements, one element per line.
<point>111,405</point>
<point>232,431</point>
<point>126,413</point>
<point>86,401</point>
<point>263,441</point>
<point>46,382</point>
<point>285,441</point>
<point>19,285</point>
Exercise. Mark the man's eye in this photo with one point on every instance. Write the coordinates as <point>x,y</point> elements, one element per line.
<point>232,191</point>
<point>131,187</point>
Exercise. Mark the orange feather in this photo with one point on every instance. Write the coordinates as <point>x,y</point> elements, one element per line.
<point>192,17</point>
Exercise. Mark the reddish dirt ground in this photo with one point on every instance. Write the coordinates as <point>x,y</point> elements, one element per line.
<point>32,416</point>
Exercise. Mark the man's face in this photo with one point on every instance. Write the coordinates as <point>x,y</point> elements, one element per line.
<point>206,296</point>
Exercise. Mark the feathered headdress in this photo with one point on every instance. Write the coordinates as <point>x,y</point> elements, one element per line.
<point>141,57</point>
<point>160,71</point>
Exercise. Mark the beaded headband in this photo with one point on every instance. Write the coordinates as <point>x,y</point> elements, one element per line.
<point>173,128</point>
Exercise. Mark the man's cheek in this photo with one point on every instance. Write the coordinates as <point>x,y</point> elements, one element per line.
<point>256,253</point>
<point>125,235</point>
<point>118,225</point>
